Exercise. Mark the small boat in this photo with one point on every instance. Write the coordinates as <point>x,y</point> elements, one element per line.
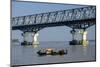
<point>51,51</point>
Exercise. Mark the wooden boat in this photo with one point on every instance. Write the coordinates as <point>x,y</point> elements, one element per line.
<point>50,51</point>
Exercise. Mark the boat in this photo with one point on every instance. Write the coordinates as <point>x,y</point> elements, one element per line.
<point>50,51</point>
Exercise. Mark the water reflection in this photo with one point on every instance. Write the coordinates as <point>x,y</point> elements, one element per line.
<point>35,45</point>
<point>85,50</point>
<point>73,48</point>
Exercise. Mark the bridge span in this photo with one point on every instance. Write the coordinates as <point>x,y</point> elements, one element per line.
<point>78,18</point>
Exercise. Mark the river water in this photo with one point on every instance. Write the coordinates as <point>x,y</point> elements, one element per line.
<point>23,55</point>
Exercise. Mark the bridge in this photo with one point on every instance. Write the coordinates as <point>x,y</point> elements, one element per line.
<point>78,18</point>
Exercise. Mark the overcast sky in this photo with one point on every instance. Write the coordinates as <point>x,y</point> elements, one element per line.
<point>60,33</point>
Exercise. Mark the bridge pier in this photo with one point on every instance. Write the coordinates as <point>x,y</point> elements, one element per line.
<point>79,39</point>
<point>35,40</point>
<point>74,41</point>
<point>84,40</point>
<point>73,34</point>
<point>25,39</point>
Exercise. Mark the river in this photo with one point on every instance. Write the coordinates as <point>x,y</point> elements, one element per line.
<point>25,55</point>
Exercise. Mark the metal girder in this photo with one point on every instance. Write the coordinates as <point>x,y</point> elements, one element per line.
<point>55,18</point>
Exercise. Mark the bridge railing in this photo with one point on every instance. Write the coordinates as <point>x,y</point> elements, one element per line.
<point>57,16</point>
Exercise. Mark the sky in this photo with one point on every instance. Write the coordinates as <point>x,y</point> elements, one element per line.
<point>60,33</point>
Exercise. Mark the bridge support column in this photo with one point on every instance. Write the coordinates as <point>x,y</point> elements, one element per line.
<point>25,42</point>
<point>73,34</point>
<point>35,38</point>
<point>25,36</point>
<point>74,41</point>
<point>84,38</point>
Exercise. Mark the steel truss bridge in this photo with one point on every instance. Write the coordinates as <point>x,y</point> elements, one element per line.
<point>79,18</point>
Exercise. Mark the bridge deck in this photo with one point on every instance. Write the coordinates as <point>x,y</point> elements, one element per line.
<point>74,18</point>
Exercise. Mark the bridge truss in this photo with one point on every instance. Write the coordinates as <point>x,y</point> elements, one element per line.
<point>78,18</point>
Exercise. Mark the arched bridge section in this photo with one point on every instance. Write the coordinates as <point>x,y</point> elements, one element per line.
<point>79,18</point>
